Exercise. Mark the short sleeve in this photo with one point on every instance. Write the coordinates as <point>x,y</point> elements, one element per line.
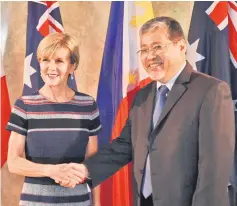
<point>95,125</point>
<point>18,119</point>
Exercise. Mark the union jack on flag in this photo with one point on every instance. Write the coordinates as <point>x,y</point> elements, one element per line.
<point>213,50</point>
<point>43,18</point>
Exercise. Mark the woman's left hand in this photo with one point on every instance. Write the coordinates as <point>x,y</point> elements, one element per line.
<point>70,184</point>
<point>78,168</point>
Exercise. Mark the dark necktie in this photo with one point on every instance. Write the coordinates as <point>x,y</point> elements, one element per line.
<point>160,102</point>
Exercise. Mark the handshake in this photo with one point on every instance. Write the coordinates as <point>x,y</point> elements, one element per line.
<point>67,175</point>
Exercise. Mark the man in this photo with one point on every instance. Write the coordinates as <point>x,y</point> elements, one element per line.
<point>180,132</point>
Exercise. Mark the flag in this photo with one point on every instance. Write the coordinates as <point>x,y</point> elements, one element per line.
<point>213,46</point>
<point>5,102</point>
<point>43,18</point>
<point>5,113</point>
<point>110,83</point>
<point>120,78</point>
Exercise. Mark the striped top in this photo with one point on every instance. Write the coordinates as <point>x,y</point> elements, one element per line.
<point>55,133</point>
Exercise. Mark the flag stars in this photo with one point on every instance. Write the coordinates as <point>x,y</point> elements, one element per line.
<point>192,55</point>
<point>28,70</point>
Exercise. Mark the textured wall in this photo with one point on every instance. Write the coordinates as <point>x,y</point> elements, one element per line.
<point>87,22</point>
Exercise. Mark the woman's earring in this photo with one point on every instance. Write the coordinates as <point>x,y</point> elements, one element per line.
<point>72,77</point>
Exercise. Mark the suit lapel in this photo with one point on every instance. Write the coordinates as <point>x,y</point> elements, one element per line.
<point>146,122</point>
<point>176,92</point>
<point>148,109</point>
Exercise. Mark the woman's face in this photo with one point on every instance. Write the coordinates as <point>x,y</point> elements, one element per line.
<point>56,69</point>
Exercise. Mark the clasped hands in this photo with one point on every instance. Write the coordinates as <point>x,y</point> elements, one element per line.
<point>69,174</point>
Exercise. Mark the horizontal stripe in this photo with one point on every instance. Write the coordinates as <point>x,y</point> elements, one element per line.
<point>18,111</point>
<point>28,203</point>
<point>17,127</point>
<point>40,180</point>
<point>83,102</point>
<point>40,97</point>
<point>54,190</point>
<point>54,199</point>
<point>94,124</point>
<point>17,120</point>
<point>64,123</point>
<point>50,160</point>
<point>52,125</point>
<point>48,181</point>
<point>88,109</point>
<point>57,129</point>
<point>61,115</point>
<point>72,102</point>
<point>95,130</point>
<point>95,114</point>
<point>36,102</point>
<point>13,129</point>
<point>77,97</point>
<point>32,97</point>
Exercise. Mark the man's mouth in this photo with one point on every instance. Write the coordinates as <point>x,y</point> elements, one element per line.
<point>155,65</point>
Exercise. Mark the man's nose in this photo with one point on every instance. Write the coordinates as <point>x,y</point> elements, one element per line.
<point>151,55</point>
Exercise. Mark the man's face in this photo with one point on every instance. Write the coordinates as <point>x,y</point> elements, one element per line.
<point>161,57</point>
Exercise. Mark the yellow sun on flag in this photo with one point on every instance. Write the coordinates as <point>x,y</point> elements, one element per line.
<point>133,77</point>
<point>144,16</point>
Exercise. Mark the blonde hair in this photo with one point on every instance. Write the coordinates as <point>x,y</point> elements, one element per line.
<point>54,41</point>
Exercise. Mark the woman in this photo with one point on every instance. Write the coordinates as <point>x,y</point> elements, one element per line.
<point>56,128</point>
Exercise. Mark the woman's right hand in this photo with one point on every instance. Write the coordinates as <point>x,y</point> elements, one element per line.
<point>63,173</point>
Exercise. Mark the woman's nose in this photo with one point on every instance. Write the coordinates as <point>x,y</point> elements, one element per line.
<point>52,65</point>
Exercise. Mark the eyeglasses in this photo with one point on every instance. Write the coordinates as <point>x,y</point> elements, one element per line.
<point>158,49</point>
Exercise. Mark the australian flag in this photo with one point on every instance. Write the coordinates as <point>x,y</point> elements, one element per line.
<point>213,50</point>
<point>43,18</point>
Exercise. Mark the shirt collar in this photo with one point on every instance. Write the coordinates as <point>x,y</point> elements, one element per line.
<point>171,82</point>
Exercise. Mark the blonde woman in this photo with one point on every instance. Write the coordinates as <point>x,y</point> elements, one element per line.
<point>56,129</point>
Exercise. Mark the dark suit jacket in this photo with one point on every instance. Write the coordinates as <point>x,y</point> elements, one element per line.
<point>191,148</point>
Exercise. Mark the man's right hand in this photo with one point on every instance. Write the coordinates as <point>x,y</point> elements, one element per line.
<point>81,175</point>
<point>65,173</point>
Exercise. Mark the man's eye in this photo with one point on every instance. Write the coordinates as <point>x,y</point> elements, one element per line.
<point>144,51</point>
<point>59,61</point>
<point>45,60</point>
<point>157,47</point>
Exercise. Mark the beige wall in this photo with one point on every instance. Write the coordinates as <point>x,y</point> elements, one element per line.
<point>87,22</point>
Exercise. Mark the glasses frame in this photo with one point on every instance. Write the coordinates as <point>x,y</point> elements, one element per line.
<point>153,50</point>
